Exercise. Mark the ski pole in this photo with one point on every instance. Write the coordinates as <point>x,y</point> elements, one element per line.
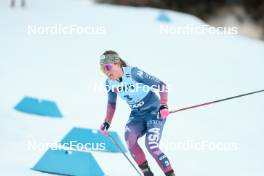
<point>216,101</point>
<point>122,151</point>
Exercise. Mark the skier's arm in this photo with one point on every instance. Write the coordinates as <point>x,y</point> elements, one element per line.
<point>111,104</point>
<point>110,110</point>
<point>143,77</point>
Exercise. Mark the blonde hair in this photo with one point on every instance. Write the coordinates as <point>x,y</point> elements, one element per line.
<point>122,62</point>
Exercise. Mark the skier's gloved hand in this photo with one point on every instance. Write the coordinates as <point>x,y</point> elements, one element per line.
<point>164,111</point>
<point>104,128</point>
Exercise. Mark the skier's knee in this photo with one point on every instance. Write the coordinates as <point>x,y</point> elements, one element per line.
<point>131,139</point>
<point>154,150</point>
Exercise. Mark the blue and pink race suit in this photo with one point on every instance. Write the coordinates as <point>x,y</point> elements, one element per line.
<point>136,88</point>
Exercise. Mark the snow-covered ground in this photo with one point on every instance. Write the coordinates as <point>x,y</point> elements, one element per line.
<point>65,68</point>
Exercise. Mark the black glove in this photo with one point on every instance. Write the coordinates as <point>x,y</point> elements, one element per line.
<point>163,106</point>
<point>105,126</point>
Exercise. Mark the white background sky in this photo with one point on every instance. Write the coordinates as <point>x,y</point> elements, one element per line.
<point>65,68</point>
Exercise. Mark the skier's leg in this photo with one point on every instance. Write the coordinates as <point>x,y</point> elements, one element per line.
<point>153,136</point>
<point>134,130</point>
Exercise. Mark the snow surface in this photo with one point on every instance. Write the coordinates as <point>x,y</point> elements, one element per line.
<point>65,68</point>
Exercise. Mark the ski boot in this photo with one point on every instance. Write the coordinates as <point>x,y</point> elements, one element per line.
<point>145,169</point>
<point>170,173</point>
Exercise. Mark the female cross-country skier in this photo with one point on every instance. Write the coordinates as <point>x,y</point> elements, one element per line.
<point>148,111</point>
